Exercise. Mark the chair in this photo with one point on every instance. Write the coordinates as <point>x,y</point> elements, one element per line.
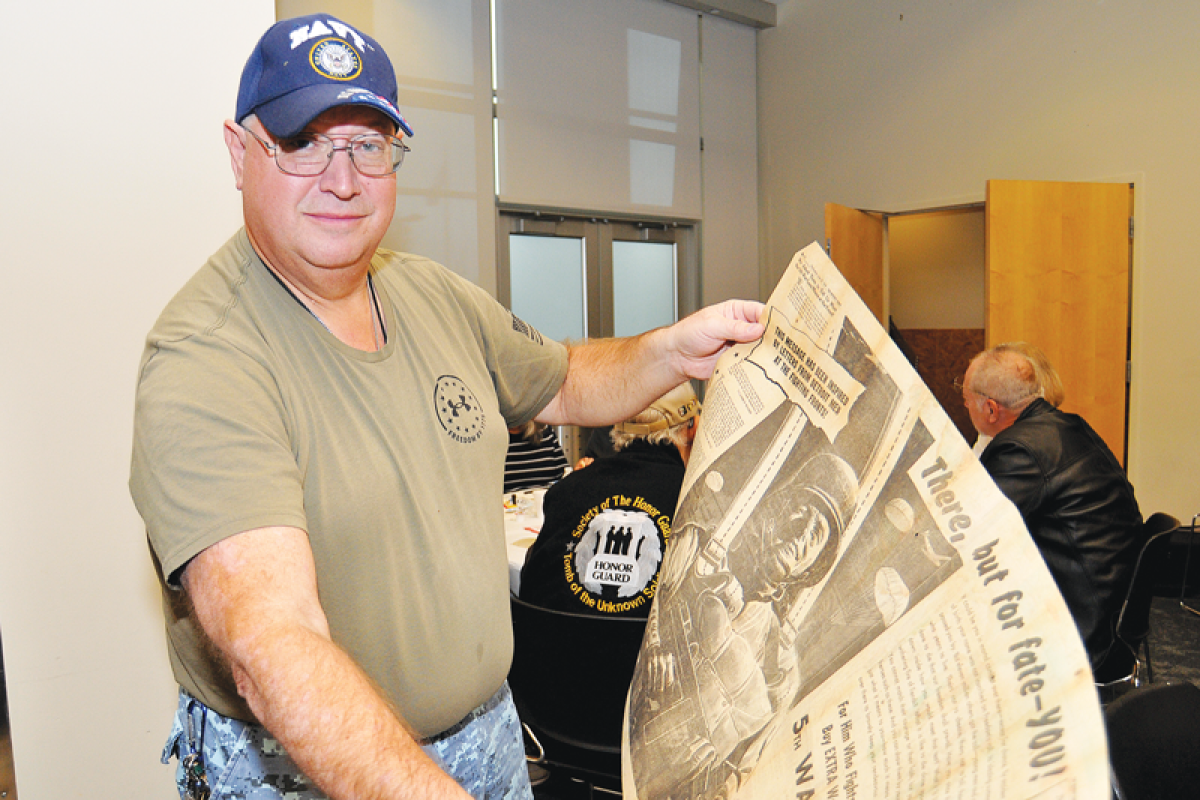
<point>1153,733</point>
<point>569,678</point>
<point>1121,670</point>
<point>1187,561</point>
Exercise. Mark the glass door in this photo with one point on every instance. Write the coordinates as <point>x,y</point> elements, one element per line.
<point>574,278</point>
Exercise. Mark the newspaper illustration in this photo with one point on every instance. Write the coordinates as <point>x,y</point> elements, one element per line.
<point>848,607</point>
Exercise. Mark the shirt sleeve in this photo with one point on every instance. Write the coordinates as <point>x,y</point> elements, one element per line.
<point>527,369</point>
<point>211,454</point>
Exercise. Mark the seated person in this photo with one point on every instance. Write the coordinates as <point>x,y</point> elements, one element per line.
<point>598,445</point>
<point>1069,487</point>
<point>606,527</point>
<point>534,460</point>
<point>1049,384</point>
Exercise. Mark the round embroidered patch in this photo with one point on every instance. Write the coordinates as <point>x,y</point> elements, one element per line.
<point>335,59</point>
<point>617,557</point>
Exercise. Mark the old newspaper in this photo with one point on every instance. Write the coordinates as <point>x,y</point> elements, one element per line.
<point>849,608</point>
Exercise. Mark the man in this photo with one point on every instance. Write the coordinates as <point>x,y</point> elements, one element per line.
<point>1073,494</point>
<point>318,453</point>
<point>606,527</point>
<point>1049,385</point>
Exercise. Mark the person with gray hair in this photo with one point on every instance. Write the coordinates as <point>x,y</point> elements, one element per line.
<point>1017,384</point>
<point>671,419</point>
<point>1049,383</point>
<point>1071,491</point>
<point>607,525</point>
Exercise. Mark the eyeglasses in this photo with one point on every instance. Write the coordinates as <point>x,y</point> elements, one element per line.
<point>308,154</point>
<point>960,386</point>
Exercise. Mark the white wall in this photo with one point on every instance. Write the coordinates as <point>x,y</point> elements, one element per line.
<point>598,106</point>
<point>893,105</point>
<point>729,168</point>
<point>116,188</point>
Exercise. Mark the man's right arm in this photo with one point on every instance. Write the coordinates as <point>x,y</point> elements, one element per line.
<point>255,595</point>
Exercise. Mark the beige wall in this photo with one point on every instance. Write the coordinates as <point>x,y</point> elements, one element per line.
<point>116,188</point>
<point>894,106</point>
<point>935,266</point>
<point>729,249</point>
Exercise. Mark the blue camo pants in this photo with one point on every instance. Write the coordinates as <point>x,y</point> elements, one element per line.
<point>244,762</point>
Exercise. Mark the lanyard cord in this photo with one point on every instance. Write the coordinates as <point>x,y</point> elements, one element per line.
<point>370,288</point>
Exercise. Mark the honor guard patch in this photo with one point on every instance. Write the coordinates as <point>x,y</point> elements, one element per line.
<point>335,59</point>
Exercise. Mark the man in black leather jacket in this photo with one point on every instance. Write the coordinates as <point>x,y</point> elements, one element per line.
<point>1073,494</point>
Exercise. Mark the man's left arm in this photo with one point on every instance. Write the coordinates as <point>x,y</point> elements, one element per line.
<point>609,380</point>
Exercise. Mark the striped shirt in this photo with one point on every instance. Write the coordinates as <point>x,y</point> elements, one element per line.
<point>531,466</point>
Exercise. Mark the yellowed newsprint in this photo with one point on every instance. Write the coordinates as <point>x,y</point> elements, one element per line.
<point>849,608</point>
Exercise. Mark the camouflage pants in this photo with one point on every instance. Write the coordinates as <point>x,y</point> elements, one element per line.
<point>244,762</point>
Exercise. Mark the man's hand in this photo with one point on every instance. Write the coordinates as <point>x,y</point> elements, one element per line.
<point>610,380</point>
<point>697,341</point>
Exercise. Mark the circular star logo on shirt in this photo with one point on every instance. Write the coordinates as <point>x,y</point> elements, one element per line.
<point>457,409</point>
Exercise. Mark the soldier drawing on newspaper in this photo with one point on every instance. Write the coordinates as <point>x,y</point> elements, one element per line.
<point>791,552</point>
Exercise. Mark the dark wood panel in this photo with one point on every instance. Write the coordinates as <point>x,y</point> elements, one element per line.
<point>942,356</point>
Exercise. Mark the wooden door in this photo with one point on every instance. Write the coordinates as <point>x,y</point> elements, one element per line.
<point>854,241</point>
<point>1058,257</point>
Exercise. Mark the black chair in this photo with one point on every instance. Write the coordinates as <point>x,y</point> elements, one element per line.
<point>1187,562</point>
<point>1122,669</point>
<point>1154,742</point>
<point>569,678</point>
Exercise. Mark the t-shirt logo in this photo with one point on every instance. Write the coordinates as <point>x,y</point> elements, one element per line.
<point>618,556</point>
<point>458,410</point>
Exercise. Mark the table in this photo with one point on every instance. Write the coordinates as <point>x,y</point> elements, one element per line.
<point>522,522</point>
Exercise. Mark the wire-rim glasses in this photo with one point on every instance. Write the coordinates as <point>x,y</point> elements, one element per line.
<point>307,155</point>
<point>960,386</point>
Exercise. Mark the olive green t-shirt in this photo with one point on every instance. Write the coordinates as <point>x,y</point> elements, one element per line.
<point>251,414</point>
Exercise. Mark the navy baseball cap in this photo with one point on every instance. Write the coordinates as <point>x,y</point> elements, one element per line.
<point>305,66</point>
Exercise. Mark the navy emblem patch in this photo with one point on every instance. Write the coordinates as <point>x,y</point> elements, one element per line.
<point>457,409</point>
<point>335,59</point>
